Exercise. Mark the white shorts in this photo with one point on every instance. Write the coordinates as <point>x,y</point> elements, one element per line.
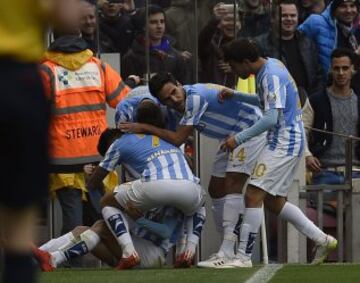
<point>185,195</point>
<point>151,256</point>
<point>241,160</point>
<point>274,172</point>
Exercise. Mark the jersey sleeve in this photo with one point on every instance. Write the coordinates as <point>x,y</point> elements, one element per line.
<point>112,157</point>
<point>124,113</point>
<point>274,92</point>
<point>195,107</point>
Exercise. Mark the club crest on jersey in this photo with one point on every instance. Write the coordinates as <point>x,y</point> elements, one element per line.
<point>271,97</point>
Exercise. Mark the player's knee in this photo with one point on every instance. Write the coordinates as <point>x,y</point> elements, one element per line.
<point>98,226</point>
<point>107,200</point>
<point>253,197</point>
<point>234,182</point>
<point>78,230</point>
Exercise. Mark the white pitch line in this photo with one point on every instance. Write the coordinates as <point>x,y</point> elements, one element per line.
<point>264,274</point>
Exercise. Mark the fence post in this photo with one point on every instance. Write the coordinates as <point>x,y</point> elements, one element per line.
<point>352,235</point>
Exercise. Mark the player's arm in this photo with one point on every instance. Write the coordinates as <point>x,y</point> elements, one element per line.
<point>108,164</point>
<point>96,179</point>
<point>177,138</point>
<point>268,121</point>
<point>226,93</point>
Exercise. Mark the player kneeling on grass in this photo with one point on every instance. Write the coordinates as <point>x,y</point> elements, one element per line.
<point>165,179</point>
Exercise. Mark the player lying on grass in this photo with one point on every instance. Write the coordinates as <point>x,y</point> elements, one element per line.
<point>153,235</point>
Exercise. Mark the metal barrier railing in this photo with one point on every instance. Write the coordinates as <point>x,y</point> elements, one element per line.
<point>343,192</point>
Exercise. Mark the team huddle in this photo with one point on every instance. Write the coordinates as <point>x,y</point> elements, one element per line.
<point>261,141</point>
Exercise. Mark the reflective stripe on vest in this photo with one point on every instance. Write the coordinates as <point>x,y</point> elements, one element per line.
<point>79,104</point>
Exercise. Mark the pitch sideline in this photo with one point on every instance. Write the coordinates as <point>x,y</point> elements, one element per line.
<point>265,273</point>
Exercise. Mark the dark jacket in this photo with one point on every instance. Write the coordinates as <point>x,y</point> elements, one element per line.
<point>134,62</point>
<point>308,53</point>
<point>116,35</point>
<point>210,54</point>
<point>323,120</point>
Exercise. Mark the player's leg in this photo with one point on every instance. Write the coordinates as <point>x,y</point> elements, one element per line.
<point>238,167</point>
<point>43,254</point>
<point>17,231</point>
<point>57,243</point>
<point>86,242</point>
<point>294,215</point>
<point>117,222</point>
<point>216,192</point>
<point>194,226</point>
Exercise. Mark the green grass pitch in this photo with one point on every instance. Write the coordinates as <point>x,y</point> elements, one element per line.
<point>328,273</point>
<point>192,275</point>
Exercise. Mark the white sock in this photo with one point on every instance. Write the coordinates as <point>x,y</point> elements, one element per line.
<point>217,212</point>
<point>57,258</point>
<point>181,241</point>
<point>56,243</point>
<point>248,232</point>
<point>233,206</point>
<point>87,241</point>
<point>296,217</point>
<point>118,225</point>
<point>194,228</point>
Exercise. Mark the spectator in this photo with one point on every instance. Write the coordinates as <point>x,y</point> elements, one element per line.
<point>308,7</point>
<point>216,33</point>
<point>163,57</point>
<point>256,17</point>
<point>333,28</point>
<point>161,3</point>
<point>78,86</point>
<point>296,51</point>
<point>335,109</point>
<point>116,24</point>
<point>180,24</point>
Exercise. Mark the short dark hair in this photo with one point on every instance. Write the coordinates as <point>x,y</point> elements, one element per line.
<point>158,81</point>
<point>343,52</point>
<point>289,2</point>
<point>150,113</point>
<point>239,50</point>
<point>140,17</point>
<point>107,137</point>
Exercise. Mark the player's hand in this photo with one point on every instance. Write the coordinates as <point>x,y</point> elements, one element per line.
<point>186,55</point>
<point>229,144</point>
<point>129,127</point>
<point>132,211</point>
<point>312,163</point>
<point>219,10</point>
<point>225,93</point>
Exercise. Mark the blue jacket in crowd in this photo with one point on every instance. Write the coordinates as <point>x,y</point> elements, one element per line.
<point>322,29</point>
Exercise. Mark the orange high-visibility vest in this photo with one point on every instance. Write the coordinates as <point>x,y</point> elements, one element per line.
<point>79,101</point>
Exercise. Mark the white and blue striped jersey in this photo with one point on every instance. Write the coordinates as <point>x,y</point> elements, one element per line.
<point>277,90</point>
<point>212,118</point>
<point>160,215</point>
<point>126,110</point>
<point>148,157</point>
